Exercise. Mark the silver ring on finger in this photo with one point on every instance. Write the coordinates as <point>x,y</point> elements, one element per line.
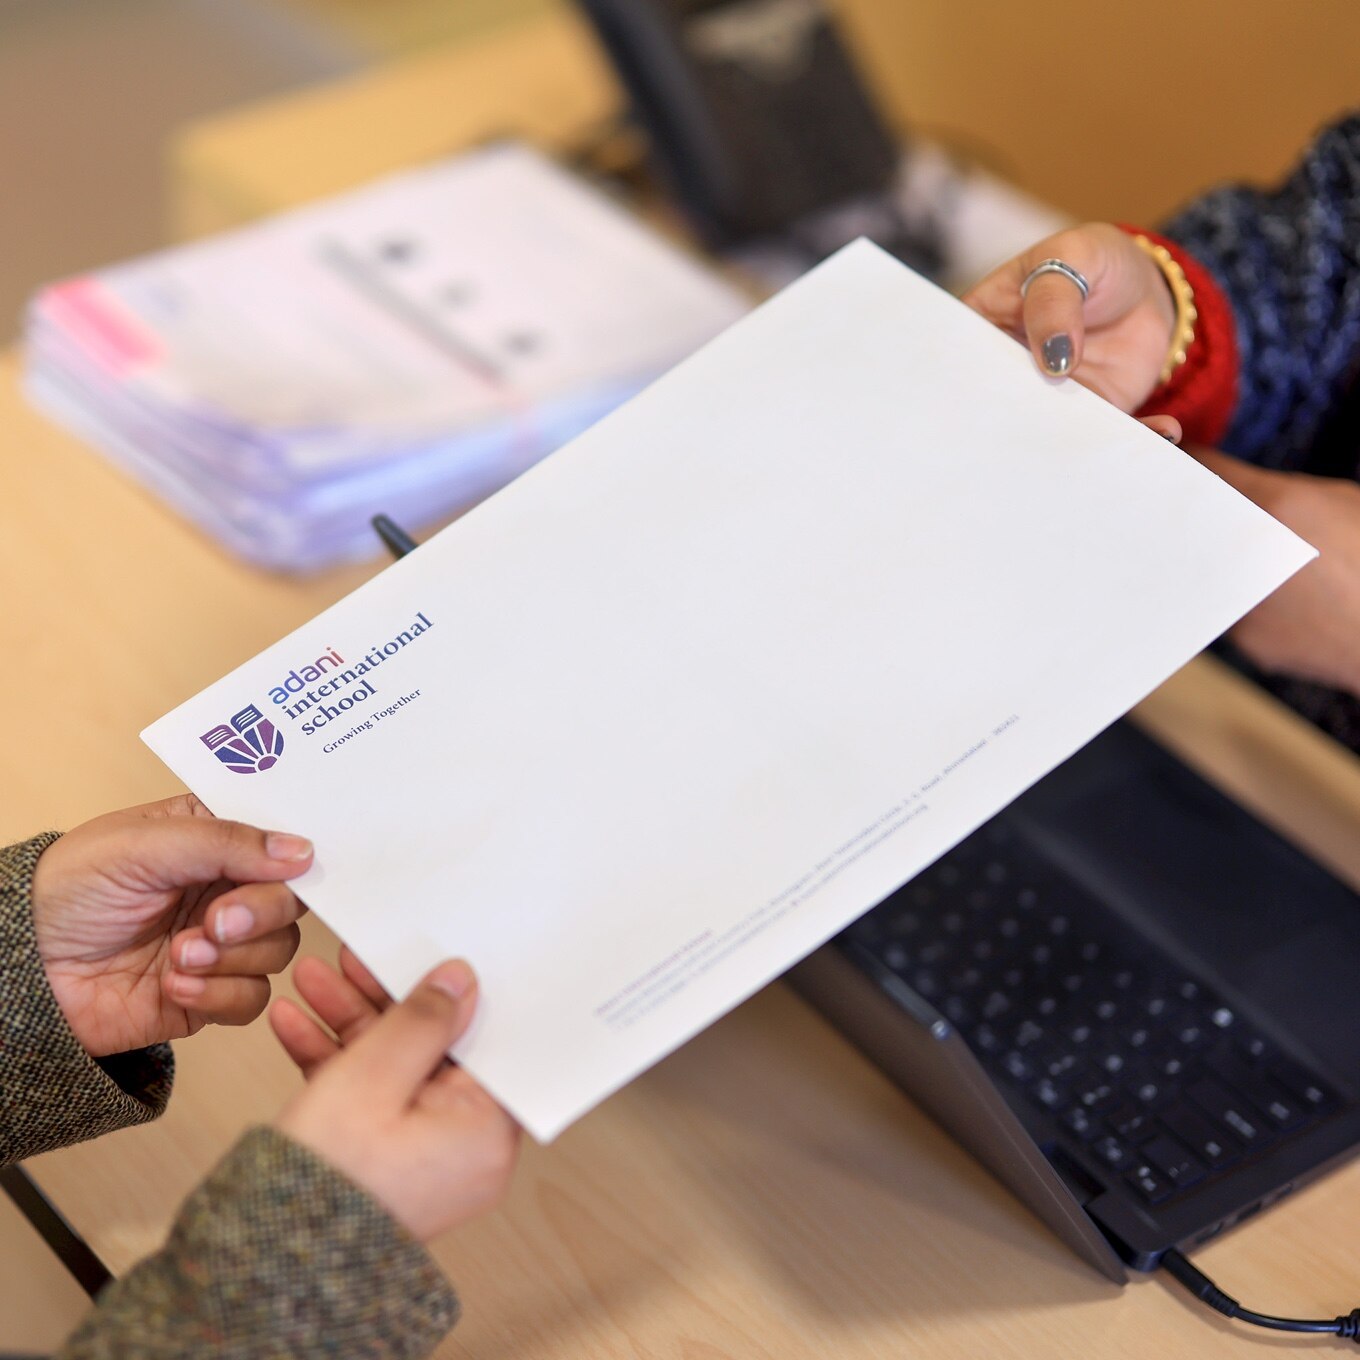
<point>1057,267</point>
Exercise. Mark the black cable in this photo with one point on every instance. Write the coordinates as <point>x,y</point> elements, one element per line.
<point>1204,1289</point>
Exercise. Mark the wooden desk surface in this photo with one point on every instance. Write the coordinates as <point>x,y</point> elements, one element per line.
<point>764,1192</point>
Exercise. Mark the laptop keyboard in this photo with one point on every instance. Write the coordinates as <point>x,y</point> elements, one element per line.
<point>1149,1074</point>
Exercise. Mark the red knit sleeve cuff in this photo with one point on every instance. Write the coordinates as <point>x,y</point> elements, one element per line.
<point>1202,392</point>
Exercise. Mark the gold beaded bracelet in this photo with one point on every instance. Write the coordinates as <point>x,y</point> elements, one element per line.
<point>1183,332</point>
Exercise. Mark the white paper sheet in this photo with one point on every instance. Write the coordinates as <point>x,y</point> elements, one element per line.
<point>679,704</point>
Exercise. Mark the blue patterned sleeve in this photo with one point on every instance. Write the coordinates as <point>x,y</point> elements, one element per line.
<point>1289,262</point>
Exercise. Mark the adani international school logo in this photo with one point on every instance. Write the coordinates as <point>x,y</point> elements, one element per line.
<point>251,744</point>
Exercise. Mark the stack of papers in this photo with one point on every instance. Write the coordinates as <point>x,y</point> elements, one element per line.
<point>649,726</point>
<point>408,348</point>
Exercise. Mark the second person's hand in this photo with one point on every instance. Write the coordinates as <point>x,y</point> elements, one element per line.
<point>384,1106</point>
<point>158,920</point>
<point>1115,341</point>
<point>1310,627</point>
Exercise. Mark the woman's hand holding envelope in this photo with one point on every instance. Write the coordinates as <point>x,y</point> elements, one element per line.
<point>1113,340</point>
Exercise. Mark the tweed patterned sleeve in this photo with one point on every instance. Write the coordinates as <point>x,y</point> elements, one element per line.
<point>275,1255</point>
<point>52,1093</point>
<point>1289,262</point>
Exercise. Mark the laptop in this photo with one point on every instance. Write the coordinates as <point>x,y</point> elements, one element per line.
<point>1131,1000</point>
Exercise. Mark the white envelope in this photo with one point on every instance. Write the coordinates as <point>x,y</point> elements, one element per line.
<point>683,701</point>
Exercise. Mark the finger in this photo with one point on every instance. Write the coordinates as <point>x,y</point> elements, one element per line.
<point>305,1042</point>
<point>335,999</point>
<point>363,979</point>
<point>1166,426</point>
<point>174,852</point>
<point>1002,297</point>
<point>220,1001</point>
<point>1051,315</point>
<point>997,297</point>
<point>192,952</point>
<point>251,911</point>
<point>395,1055</point>
<point>1054,324</point>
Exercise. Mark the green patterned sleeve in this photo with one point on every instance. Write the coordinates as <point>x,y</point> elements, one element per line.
<point>275,1255</point>
<point>52,1093</point>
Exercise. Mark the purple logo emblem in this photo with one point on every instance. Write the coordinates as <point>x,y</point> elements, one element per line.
<point>252,743</point>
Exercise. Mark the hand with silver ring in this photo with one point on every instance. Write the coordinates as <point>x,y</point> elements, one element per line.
<point>1090,305</point>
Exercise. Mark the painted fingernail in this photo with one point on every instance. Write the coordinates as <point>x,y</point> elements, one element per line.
<point>197,954</point>
<point>185,987</point>
<point>1058,354</point>
<point>233,923</point>
<point>455,979</point>
<point>280,845</point>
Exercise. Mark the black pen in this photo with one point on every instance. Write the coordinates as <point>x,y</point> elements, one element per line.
<point>397,541</point>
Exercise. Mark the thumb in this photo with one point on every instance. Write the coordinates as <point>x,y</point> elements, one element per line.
<point>394,1056</point>
<point>1055,326</point>
<point>173,852</point>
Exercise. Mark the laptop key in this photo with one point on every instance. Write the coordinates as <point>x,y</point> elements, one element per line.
<point>1050,1095</point>
<point>1232,1111</point>
<point>1149,1182</point>
<point>1149,1093</point>
<point>1299,1083</point>
<point>1131,1123</point>
<point>1158,1007</point>
<point>1063,1066</point>
<point>1097,1097</point>
<point>1282,1110</point>
<point>996,1005</point>
<point>1143,1085</point>
<point>1283,1113</point>
<point>1113,1152</point>
<point>1173,1161</point>
<point>1082,1122</point>
<point>1170,1068</point>
<point>1213,1148</point>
